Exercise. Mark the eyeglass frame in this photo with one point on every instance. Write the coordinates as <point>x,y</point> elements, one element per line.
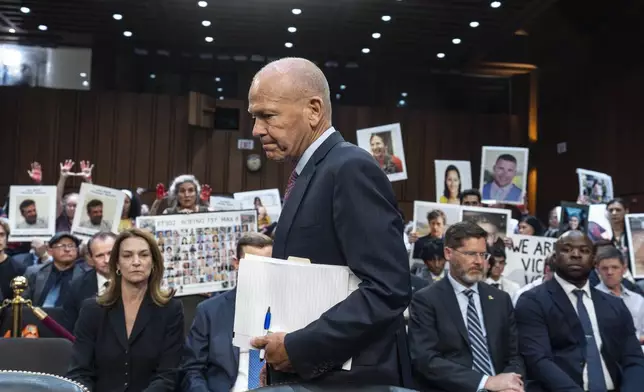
<point>485,255</point>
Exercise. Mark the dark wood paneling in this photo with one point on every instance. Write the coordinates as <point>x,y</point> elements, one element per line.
<point>139,140</point>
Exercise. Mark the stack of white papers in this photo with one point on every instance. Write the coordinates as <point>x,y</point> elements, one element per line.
<point>298,293</point>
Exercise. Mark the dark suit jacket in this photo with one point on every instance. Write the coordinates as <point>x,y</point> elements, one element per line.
<point>552,341</point>
<point>342,211</point>
<point>37,276</point>
<point>80,290</point>
<point>210,361</point>
<point>105,360</point>
<point>418,283</point>
<point>440,349</point>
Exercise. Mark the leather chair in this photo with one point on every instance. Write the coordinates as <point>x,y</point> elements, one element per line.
<point>314,388</point>
<point>18,381</point>
<point>51,356</point>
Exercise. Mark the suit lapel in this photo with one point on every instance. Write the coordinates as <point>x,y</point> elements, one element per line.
<point>116,315</point>
<point>231,305</point>
<point>41,280</point>
<point>451,306</point>
<point>292,205</point>
<point>490,308</point>
<point>142,317</point>
<point>561,301</point>
<point>601,311</point>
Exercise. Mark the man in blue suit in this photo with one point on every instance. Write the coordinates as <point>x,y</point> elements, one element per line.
<point>502,188</point>
<point>210,362</point>
<point>574,337</point>
<point>339,209</point>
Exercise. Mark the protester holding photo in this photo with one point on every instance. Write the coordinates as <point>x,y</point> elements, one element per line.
<point>184,196</point>
<point>502,188</point>
<point>380,150</point>
<point>530,225</point>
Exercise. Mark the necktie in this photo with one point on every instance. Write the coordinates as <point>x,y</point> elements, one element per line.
<point>290,185</point>
<point>52,296</point>
<point>596,381</point>
<point>495,285</point>
<point>480,354</point>
<point>254,368</point>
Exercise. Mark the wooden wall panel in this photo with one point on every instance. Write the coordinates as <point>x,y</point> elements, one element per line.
<point>139,140</point>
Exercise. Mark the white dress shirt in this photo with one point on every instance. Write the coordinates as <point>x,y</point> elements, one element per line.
<point>635,304</point>
<point>100,282</point>
<point>568,288</point>
<point>463,301</point>
<point>505,284</point>
<point>525,288</point>
<point>308,153</point>
<point>241,384</point>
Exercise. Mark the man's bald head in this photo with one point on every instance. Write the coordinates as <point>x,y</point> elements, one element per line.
<point>294,78</point>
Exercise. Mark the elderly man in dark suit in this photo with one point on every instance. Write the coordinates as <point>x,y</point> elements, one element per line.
<point>574,337</point>
<point>339,209</point>
<point>49,283</point>
<point>462,333</point>
<point>210,362</point>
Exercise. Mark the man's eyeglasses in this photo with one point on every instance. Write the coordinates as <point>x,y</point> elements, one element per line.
<point>484,255</point>
<point>64,246</point>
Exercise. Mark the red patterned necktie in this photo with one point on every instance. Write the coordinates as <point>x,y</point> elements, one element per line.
<point>290,185</point>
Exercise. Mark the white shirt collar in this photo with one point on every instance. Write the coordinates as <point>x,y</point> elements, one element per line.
<point>602,287</point>
<point>569,287</point>
<point>304,159</point>
<point>459,288</point>
<point>100,280</point>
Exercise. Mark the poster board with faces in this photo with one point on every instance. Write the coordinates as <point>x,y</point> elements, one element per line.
<point>504,174</point>
<point>496,222</point>
<point>594,187</point>
<point>635,235</point>
<point>199,249</point>
<point>269,199</point>
<point>32,213</point>
<point>573,217</point>
<point>598,224</point>
<point>385,144</point>
<point>452,178</point>
<point>423,227</point>
<point>525,259</point>
<point>99,209</point>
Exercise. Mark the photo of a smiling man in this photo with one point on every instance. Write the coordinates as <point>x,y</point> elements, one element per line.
<point>504,172</point>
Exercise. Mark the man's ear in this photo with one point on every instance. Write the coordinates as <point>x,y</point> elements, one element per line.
<point>448,253</point>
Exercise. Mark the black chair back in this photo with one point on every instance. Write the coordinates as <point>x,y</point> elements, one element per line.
<point>51,356</point>
<point>16,381</point>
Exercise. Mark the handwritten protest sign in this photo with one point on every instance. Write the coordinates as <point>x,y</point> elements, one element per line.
<point>525,261</point>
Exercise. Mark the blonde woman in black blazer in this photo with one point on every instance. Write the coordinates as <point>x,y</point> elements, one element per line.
<point>130,338</point>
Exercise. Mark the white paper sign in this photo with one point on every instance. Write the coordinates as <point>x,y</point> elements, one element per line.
<point>32,213</point>
<point>525,261</point>
<point>220,203</point>
<point>245,144</point>
<point>99,209</point>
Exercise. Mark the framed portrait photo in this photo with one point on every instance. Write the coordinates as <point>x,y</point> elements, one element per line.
<point>452,178</point>
<point>504,174</point>
<point>385,144</point>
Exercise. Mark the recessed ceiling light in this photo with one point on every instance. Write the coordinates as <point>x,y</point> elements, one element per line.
<point>338,96</point>
<point>127,33</point>
<point>153,76</point>
<point>296,11</point>
<point>375,35</point>
<point>441,55</point>
<point>202,4</point>
<point>292,29</point>
<point>12,31</point>
<point>342,87</point>
<point>386,18</point>
<point>402,102</point>
<point>495,4</point>
<point>474,24</point>
<point>456,41</point>
<point>220,89</point>
<point>25,10</point>
<point>83,75</point>
<point>365,50</point>
<point>403,94</point>
<point>206,23</point>
<point>288,44</point>
<point>85,83</point>
<point>217,79</point>
<point>221,98</point>
<point>117,16</point>
<point>42,28</point>
<point>209,39</point>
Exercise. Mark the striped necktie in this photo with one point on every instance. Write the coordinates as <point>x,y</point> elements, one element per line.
<point>290,185</point>
<point>254,369</point>
<point>480,353</point>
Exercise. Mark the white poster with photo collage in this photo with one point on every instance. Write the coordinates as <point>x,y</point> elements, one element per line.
<point>199,249</point>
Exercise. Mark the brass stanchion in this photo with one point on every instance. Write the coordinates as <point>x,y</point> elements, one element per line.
<point>18,285</point>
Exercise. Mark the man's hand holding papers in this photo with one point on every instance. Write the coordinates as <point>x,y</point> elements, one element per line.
<point>276,354</point>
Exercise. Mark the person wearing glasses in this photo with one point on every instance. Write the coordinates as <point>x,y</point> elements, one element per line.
<point>49,283</point>
<point>462,332</point>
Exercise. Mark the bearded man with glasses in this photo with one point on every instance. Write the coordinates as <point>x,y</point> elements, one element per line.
<point>462,332</point>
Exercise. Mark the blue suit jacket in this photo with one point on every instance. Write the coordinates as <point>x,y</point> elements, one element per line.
<point>343,211</point>
<point>210,362</point>
<point>513,195</point>
<point>552,341</point>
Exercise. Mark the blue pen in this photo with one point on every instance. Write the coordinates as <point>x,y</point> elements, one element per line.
<point>267,326</point>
